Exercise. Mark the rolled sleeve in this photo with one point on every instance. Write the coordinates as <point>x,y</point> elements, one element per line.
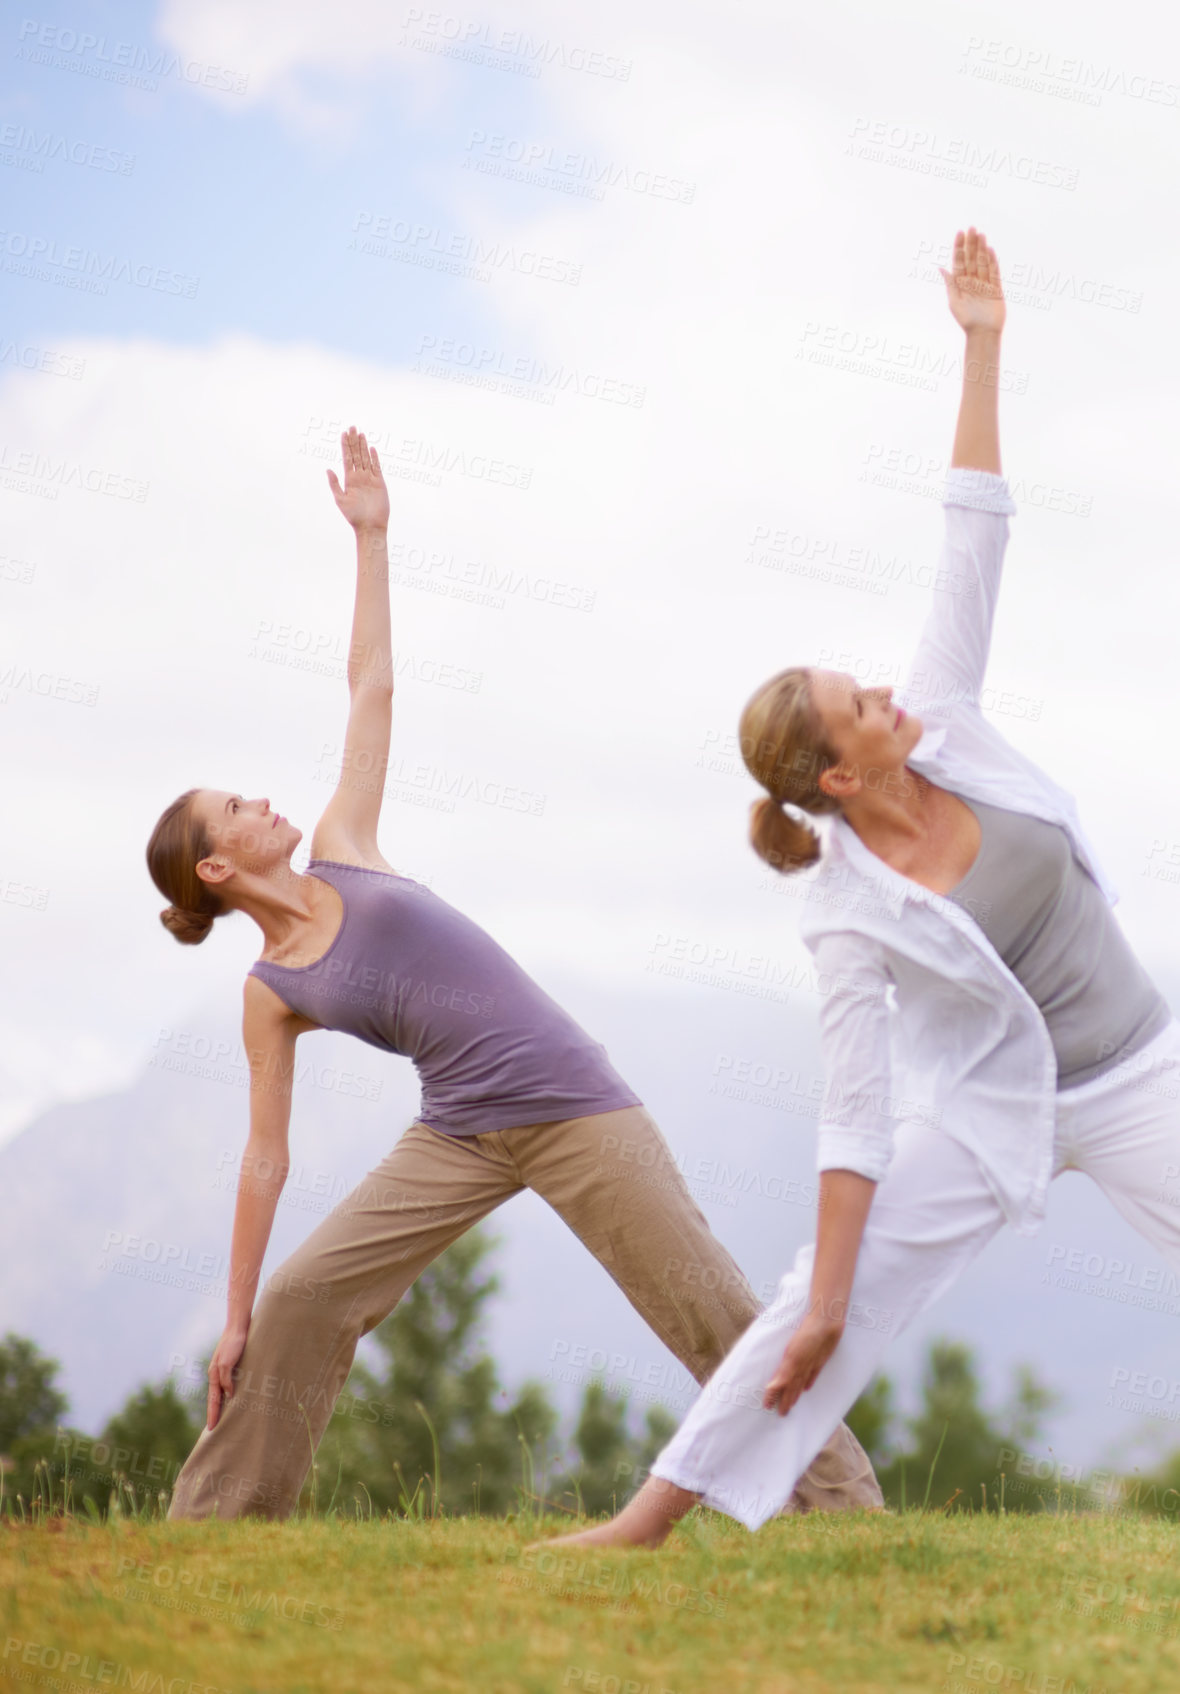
<point>982,491</point>
<point>856,1124</point>
<point>850,1150</point>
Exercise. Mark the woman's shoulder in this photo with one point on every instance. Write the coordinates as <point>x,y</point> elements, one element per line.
<point>851,894</point>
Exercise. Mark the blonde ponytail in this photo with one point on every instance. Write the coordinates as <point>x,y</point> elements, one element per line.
<point>784,749</point>
<point>785,842</point>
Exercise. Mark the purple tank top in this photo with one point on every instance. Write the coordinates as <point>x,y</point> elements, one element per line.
<point>409,973</point>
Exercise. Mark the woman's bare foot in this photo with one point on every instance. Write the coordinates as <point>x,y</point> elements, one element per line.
<point>644,1522</point>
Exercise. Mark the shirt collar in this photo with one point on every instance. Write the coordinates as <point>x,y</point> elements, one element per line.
<point>929,744</point>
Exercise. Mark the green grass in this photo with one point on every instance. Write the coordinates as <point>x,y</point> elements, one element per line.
<point>959,1604</point>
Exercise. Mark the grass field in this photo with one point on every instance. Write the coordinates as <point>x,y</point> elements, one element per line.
<point>963,1604</point>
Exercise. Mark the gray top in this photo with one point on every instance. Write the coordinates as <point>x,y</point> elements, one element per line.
<point>1054,929</point>
<point>407,972</point>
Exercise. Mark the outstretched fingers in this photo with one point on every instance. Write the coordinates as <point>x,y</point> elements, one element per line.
<point>974,261</point>
<point>966,253</point>
<point>356,452</point>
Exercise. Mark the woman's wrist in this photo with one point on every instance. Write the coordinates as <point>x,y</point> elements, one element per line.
<point>982,339</point>
<point>829,1312</point>
<point>981,357</point>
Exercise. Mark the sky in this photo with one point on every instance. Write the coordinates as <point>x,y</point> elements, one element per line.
<point>642,308</point>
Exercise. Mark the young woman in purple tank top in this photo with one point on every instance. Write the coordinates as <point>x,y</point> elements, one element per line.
<point>515,1095</point>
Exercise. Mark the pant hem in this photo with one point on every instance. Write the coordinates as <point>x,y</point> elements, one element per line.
<point>714,1504</point>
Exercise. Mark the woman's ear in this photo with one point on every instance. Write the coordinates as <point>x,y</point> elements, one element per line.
<point>837,781</point>
<point>213,870</point>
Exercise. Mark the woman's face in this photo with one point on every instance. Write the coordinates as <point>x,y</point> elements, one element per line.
<point>246,832</point>
<point>872,736</point>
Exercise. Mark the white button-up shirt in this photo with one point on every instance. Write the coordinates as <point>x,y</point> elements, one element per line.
<point>920,1016</point>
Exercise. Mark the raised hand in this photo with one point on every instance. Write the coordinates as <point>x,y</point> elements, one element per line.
<point>364,499</point>
<point>973,289</point>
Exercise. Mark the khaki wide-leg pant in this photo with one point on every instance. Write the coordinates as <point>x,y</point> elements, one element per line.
<point>613,1179</point>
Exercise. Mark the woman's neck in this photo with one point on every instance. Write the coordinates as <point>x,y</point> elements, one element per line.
<point>900,813</point>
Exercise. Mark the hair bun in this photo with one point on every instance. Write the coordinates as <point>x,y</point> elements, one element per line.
<point>781,836</point>
<point>189,927</point>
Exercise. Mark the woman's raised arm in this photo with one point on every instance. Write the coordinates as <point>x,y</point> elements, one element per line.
<point>355,808</point>
<point>976,301</point>
<point>950,659</point>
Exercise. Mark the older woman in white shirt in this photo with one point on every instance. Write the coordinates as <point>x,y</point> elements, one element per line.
<point>985,1024</point>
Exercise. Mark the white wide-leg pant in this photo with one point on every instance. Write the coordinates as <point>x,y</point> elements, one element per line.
<point>930,1216</point>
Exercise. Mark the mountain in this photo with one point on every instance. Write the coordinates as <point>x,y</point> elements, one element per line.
<point>118,1213</point>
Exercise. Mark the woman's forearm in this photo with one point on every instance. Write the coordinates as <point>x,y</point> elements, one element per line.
<point>258,1196</point>
<point>370,656</point>
<point>844,1201</point>
<point>977,435</point>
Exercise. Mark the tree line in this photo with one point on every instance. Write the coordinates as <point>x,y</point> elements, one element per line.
<point>424,1428</point>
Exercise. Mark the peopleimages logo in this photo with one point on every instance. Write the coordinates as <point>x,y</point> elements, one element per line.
<point>35,149</point>
<point>118,61</point>
<point>73,266</point>
<point>41,1656</point>
<point>408,241</point>
<point>913,148</point>
<point>542,163</point>
<point>43,360</point>
<point>505,49</point>
<point>1042,70</point>
<point>521,374</point>
<point>43,473</point>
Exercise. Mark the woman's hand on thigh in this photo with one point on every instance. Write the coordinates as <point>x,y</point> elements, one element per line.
<point>221,1370</point>
<point>805,1355</point>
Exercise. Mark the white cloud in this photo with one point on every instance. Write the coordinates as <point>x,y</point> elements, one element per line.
<point>650,509</point>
